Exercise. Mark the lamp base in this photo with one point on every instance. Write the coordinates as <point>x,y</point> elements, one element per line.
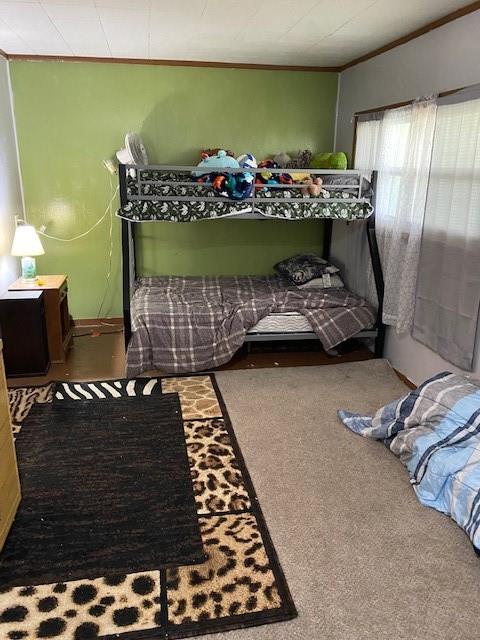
<point>29,270</point>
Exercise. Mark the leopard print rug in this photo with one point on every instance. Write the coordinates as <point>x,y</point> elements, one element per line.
<point>241,584</point>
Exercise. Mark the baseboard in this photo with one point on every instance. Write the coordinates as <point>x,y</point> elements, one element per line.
<point>97,322</point>
<point>405,380</point>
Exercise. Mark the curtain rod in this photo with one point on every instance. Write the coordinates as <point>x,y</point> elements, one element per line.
<point>404,103</point>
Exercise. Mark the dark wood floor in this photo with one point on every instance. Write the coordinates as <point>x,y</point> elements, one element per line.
<point>98,353</point>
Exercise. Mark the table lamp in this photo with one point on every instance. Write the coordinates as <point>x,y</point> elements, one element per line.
<point>26,244</point>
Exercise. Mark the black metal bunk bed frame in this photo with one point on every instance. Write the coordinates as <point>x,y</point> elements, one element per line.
<point>129,270</point>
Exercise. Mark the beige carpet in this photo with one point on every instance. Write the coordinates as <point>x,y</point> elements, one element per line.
<point>363,559</point>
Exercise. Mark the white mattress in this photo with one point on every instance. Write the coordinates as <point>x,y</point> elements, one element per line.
<point>289,322</point>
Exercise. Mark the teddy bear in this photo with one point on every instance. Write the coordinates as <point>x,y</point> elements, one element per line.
<point>312,186</point>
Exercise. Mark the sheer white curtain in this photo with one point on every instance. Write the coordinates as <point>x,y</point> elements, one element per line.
<point>399,147</point>
<point>448,292</point>
<point>366,144</point>
<point>404,157</point>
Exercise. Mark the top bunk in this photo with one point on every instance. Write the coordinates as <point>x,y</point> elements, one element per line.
<point>185,194</point>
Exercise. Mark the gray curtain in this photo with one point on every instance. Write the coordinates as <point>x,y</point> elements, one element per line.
<point>448,287</point>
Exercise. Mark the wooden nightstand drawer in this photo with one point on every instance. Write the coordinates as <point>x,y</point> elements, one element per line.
<point>8,460</point>
<point>4,412</point>
<point>10,499</point>
<point>4,409</point>
<point>22,318</point>
<point>3,380</point>
<point>9,481</point>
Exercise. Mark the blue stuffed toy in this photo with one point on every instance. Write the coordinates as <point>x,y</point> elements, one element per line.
<point>236,186</point>
<point>211,164</point>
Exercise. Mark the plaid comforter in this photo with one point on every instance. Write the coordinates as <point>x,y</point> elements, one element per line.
<point>185,324</point>
<point>435,431</point>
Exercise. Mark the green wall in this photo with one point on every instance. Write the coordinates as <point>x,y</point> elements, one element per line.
<point>72,115</point>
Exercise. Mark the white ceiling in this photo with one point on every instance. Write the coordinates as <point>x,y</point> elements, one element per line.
<point>283,32</point>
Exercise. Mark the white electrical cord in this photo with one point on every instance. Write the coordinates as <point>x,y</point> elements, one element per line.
<point>110,256</point>
<point>82,235</point>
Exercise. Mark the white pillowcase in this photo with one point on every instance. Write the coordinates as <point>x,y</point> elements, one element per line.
<point>319,283</point>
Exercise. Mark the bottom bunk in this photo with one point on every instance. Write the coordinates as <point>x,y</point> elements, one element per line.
<point>188,324</point>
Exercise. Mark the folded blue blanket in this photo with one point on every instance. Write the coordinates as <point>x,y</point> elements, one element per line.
<point>435,431</point>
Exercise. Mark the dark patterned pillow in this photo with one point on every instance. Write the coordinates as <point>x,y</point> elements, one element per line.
<point>304,267</point>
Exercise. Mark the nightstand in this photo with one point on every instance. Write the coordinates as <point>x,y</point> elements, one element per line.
<point>24,333</point>
<point>58,320</point>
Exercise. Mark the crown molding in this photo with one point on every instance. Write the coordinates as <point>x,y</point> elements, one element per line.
<point>174,63</point>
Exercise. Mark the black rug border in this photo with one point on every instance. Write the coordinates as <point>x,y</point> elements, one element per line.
<point>287,611</point>
<point>255,502</point>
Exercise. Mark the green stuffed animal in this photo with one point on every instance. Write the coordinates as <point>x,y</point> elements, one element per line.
<point>336,161</point>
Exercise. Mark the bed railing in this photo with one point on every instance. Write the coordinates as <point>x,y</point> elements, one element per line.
<point>136,177</point>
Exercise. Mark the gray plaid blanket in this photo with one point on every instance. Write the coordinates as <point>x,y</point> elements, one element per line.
<point>185,324</point>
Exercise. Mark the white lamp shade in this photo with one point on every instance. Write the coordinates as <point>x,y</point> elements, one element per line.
<point>26,242</point>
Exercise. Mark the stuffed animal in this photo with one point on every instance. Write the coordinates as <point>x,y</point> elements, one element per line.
<point>247,161</point>
<point>313,186</point>
<point>304,158</point>
<point>285,178</point>
<point>335,161</point>
<point>234,186</point>
<point>267,177</point>
<point>210,164</point>
<point>282,159</point>
<point>299,176</point>
<point>301,160</point>
<point>321,161</point>
<point>213,152</point>
<point>338,161</point>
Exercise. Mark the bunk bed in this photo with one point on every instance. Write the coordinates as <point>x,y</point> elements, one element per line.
<point>173,194</point>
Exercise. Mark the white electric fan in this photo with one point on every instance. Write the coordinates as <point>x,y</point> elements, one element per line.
<point>134,151</point>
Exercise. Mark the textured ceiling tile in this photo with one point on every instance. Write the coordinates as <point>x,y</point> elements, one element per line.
<point>51,47</point>
<point>137,5</point>
<point>84,37</point>
<point>182,7</point>
<point>9,41</point>
<point>70,11</point>
<point>82,3</point>
<point>19,13</point>
<point>127,17</point>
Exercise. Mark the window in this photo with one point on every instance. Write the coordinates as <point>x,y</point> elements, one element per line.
<point>448,288</point>
<point>398,144</point>
<point>427,155</point>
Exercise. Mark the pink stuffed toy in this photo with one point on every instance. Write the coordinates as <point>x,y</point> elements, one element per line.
<point>313,186</point>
